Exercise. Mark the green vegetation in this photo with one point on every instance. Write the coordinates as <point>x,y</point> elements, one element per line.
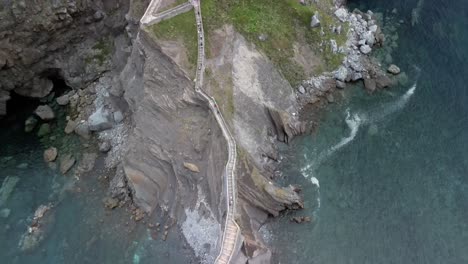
<point>283,22</point>
<point>181,27</point>
<point>102,51</point>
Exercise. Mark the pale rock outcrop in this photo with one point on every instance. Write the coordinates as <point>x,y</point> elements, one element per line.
<point>45,112</point>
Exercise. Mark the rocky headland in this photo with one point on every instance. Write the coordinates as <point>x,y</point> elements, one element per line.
<point>131,88</point>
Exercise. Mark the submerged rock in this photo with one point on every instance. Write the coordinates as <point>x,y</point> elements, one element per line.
<point>70,127</point>
<point>45,112</point>
<point>50,154</point>
<point>8,186</point>
<point>4,213</point>
<point>301,219</point>
<point>44,130</point>
<point>30,124</point>
<point>110,203</point>
<point>66,163</point>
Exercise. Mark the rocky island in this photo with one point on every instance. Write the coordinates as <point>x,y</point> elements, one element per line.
<point>122,76</point>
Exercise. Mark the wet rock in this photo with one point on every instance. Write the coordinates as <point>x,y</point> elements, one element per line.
<point>365,49</point>
<point>22,166</point>
<point>45,112</point>
<point>105,146</point>
<point>138,214</point>
<point>110,203</point>
<point>44,130</point>
<point>330,98</point>
<point>315,21</point>
<point>50,154</point>
<point>118,117</point>
<point>340,84</point>
<point>37,231</point>
<point>87,162</point>
<point>4,213</point>
<point>66,163</point>
<point>383,81</point>
<point>30,124</point>
<point>370,84</point>
<point>393,69</point>
<point>301,219</point>
<point>191,167</point>
<point>70,127</point>
<point>100,120</point>
<point>8,186</point>
<point>82,129</point>
<point>63,100</point>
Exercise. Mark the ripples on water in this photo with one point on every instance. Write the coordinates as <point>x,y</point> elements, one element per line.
<point>392,167</point>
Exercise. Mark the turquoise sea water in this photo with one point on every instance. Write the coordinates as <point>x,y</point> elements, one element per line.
<point>80,229</point>
<point>393,166</point>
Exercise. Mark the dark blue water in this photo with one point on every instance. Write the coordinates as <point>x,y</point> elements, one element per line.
<point>396,191</point>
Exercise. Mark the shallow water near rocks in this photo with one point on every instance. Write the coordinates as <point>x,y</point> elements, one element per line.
<point>80,229</point>
<point>393,166</point>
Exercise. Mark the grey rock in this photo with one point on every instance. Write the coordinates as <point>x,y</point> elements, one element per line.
<point>44,130</point>
<point>342,14</point>
<point>315,21</point>
<point>369,38</point>
<point>301,89</point>
<point>45,112</point>
<point>365,49</point>
<point>82,129</point>
<point>105,146</point>
<point>334,46</point>
<point>30,124</point>
<point>8,186</point>
<point>70,127</point>
<point>341,73</point>
<point>330,98</point>
<point>63,100</point>
<point>383,81</point>
<point>98,16</point>
<point>118,117</point>
<point>66,163</point>
<point>100,120</point>
<point>393,69</point>
<point>39,88</point>
<point>373,28</point>
<point>340,85</point>
<point>50,154</point>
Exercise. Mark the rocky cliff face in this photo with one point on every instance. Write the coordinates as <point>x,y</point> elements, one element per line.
<point>67,39</point>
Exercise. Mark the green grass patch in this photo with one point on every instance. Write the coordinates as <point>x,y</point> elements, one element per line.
<point>282,22</point>
<point>181,27</point>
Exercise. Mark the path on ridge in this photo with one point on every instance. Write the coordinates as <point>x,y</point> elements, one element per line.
<point>231,232</point>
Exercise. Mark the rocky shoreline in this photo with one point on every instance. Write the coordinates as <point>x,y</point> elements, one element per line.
<point>160,143</point>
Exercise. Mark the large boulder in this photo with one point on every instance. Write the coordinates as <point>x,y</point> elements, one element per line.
<point>45,112</point>
<point>100,120</point>
<point>44,130</point>
<point>342,14</point>
<point>39,88</point>
<point>82,130</point>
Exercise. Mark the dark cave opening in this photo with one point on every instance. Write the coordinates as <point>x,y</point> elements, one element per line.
<point>19,107</point>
